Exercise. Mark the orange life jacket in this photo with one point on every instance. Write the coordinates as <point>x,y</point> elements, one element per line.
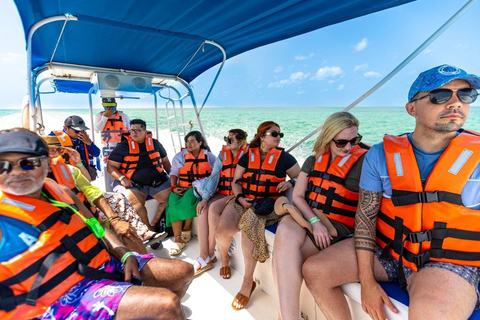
<point>66,141</point>
<point>62,175</point>
<point>259,179</point>
<point>130,162</point>
<point>33,280</point>
<point>422,223</point>
<point>194,168</point>
<point>112,132</point>
<point>229,163</point>
<point>326,189</point>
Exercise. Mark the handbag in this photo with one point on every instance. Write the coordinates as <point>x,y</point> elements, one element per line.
<point>263,206</point>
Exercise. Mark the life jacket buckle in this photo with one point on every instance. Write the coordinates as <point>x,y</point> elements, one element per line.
<point>427,197</point>
<point>418,237</point>
<point>420,259</point>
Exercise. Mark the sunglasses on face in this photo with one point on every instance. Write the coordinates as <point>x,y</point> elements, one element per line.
<point>136,130</point>
<point>30,163</point>
<point>228,140</point>
<point>76,131</point>
<point>440,96</point>
<point>342,143</point>
<point>275,134</point>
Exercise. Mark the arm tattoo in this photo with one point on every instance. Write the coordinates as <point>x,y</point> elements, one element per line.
<point>366,219</point>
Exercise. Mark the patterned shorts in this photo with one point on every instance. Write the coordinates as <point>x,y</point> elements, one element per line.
<point>391,265</point>
<point>93,299</point>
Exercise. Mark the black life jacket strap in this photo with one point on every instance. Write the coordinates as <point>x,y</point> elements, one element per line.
<point>330,194</point>
<point>327,176</point>
<point>403,198</point>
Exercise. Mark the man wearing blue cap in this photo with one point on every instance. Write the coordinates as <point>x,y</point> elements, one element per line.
<point>57,262</point>
<point>418,219</point>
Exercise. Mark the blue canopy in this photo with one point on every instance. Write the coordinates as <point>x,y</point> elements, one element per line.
<point>72,86</point>
<point>162,36</point>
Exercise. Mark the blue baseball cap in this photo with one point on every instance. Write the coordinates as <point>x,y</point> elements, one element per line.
<point>439,76</point>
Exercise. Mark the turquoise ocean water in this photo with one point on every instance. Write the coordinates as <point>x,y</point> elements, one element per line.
<point>295,122</point>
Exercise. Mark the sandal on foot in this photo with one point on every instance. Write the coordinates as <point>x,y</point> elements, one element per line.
<point>204,266</point>
<point>186,236</point>
<point>240,300</point>
<point>225,272</point>
<point>158,236</point>
<point>212,259</point>
<point>176,249</point>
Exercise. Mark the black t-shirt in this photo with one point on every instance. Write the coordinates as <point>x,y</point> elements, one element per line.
<point>285,162</point>
<point>146,173</point>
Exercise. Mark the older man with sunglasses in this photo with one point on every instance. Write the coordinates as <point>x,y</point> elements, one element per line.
<point>57,261</point>
<point>418,219</point>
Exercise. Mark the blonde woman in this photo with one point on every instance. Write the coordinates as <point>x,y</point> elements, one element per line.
<point>328,182</point>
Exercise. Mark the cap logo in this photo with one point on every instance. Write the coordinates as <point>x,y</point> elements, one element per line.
<point>448,70</point>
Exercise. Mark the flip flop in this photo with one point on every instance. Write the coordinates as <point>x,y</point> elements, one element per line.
<point>240,301</point>
<point>156,237</point>
<point>225,272</point>
<point>204,266</point>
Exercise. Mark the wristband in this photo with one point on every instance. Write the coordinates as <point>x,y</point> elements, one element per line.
<point>125,256</point>
<point>292,181</point>
<point>314,219</point>
<point>78,165</point>
<point>121,178</point>
<point>238,196</point>
<point>172,188</point>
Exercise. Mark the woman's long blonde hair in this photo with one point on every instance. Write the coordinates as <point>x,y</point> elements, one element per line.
<point>337,122</point>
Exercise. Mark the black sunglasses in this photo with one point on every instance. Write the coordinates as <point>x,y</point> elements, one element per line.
<point>30,163</point>
<point>341,143</point>
<point>275,134</point>
<point>228,140</point>
<point>76,131</point>
<point>440,96</point>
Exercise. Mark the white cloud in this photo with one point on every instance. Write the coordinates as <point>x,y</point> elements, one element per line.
<point>341,87</point>
<point>11,57</point>
<point>300,92</point>
<point>278,69</point>
<point>361,45</point>
<point>361,67</point>
<point>371,74</point>
<point>300,57</point>
<point>294,78</point>
<point>328,72</point>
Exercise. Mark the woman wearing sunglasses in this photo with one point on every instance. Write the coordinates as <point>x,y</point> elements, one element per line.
<point>215,192</point>
<point>195,162</point>
<point>327,183</point>
<point>260,178</point>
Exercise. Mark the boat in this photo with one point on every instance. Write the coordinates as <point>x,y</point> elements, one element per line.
<point>154,50</point>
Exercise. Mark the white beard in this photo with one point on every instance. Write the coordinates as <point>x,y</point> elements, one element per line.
<point>27,188</point>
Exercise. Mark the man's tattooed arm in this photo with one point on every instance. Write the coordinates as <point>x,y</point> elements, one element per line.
<point>366,220</point>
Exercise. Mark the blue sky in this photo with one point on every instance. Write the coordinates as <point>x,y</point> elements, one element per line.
<point>328,67</point>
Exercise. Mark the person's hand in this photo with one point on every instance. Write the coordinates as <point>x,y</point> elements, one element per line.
<point>246,203</point>
<point>179,191</point>
<point>74,155</point>
<point>131,268</point>
<point>108,112</point>
<point>123,229</point>
<point>126,182</point>
<point>373,299</point>
<point>82,136</point>
<point>201,206</point>
<point>105,159</point>
<point>284,186</point>
<point>321,235</point>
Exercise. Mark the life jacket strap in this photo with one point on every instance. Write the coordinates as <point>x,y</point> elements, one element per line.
<point>403,198</point>
<point>327,176</point>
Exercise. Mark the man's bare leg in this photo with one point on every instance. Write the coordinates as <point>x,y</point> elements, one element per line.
<point>440,294</point>
<point>137,200</point>
<point>322,276</point>
<point>162,199</point>
<point>149,302</point>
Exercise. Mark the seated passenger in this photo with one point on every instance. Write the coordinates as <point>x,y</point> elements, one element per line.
<point>193,163</point>
<point>54,261</point>
<point>212,204</point>
<point>418,218</point>
<point>114,209</point>
<point>140,166</point>
<point>74,135</point>
<point>327,186</point>
<point>260,178</point>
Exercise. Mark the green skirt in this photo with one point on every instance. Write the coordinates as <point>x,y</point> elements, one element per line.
<point>181,207</point>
